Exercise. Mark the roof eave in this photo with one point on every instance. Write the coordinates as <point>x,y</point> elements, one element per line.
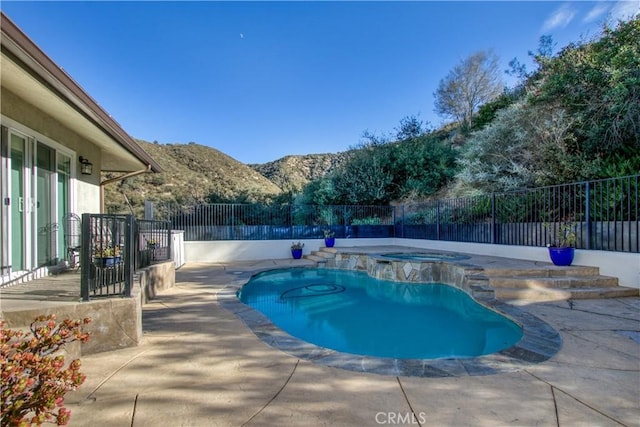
<point>42,67</point>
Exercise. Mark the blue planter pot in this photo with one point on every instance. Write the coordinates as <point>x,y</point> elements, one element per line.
<point>561,256</point>
<point>108,261</point>
<point>296,253</point>
<point>329,241</point>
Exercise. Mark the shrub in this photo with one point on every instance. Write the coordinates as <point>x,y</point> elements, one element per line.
<point>370,220</point>
<point>34,377</point>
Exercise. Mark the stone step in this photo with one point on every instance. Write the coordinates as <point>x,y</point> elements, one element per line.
<point>316,258</point>
<point>480,292</point>
<point>323,254</point>
<point>329,250</point>
<point>544,294</point>
<point>544,271</point>
<point>555,282</point>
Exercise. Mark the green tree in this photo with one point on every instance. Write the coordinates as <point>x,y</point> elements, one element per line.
<point>524,146</point>
<point>415,165</point>
<point>410,127</point>
<point>598,83</point>
<point>420,166</point>
<point>365,178</point>
<point>487,112</point>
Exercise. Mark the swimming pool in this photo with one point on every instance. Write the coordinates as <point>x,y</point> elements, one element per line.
<point>351,312</point>
<point>422,256</point>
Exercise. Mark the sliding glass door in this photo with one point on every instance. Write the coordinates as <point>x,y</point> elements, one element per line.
<point>46,222</point>
<point>63,198</point>
<point>35,189</point>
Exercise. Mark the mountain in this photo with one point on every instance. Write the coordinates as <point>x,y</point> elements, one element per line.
<point>195,173</point>
<point>292,173</point>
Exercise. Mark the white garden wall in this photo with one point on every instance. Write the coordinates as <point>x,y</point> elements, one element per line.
<point>624,266</point>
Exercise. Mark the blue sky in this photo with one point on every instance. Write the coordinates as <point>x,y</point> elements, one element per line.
<point>261,80</point>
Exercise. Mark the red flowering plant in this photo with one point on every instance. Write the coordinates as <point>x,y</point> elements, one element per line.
<point>33,373</point>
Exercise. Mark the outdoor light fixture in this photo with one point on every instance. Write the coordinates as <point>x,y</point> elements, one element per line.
<point>86,167</point>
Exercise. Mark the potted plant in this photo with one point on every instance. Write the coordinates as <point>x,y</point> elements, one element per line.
<point>107,256</point>
<point>329,238</point>
<point>152,244</point>
<point>563,238</point>
<point>296,250</point>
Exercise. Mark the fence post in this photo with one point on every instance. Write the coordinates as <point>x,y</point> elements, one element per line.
<point>493,218</point>
<point>233,221</point>
<point>85,252</point>
<point>587,217</point>
<point>128,256</point>
<point>344,220</point>
<point>170,242</point>
<point>290,207</point>
<point>438,219</point>
<point>148,209</point>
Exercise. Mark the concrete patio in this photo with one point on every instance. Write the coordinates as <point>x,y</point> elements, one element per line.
<point>199,365</point>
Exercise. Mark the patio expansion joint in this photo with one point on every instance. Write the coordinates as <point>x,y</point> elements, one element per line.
<point>415,419</point>
<point>274,396</point>
<point>566,393</point>
<point>575,334</point>
<point>555,405</point>
<point>593,312</point>
<point>91,396</point>
<point>133,412</point>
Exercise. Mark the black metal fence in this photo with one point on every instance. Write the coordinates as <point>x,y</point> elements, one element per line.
<point>604,214</point>
<point>152,242</point>
<point>113,247</point>
<point>276,222</point>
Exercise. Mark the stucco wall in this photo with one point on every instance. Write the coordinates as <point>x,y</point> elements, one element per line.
<point>156,278</point>
<point>624,266</point>
<point>251,250</point>
<point>115,322</point>
<point>29,119</point>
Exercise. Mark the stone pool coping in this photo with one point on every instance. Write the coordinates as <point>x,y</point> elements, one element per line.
<point>539,343</point>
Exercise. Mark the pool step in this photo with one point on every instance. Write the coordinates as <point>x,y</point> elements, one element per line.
<point>545,294</point>
<point>322,256</point>
<point>332,251</point>
<point>535,281</point>
<point>315,258</point>
<point>544,271</point>
<point>555,283</point>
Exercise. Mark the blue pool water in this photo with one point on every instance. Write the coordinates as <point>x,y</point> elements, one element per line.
<point>351,312</point>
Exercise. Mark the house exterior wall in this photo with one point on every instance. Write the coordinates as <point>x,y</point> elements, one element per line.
<point>28,119</point>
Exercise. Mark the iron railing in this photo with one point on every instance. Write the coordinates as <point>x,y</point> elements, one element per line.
<point>604,214</point>
<point>106,256</point>
<point>152,242</point>
<point>113,247</point>
<point>278,222</point>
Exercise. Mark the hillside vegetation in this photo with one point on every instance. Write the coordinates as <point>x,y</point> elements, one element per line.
<point>192,174</point>
<point>575,117</point>
<point>293,173</point>
<point>196,173</point>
